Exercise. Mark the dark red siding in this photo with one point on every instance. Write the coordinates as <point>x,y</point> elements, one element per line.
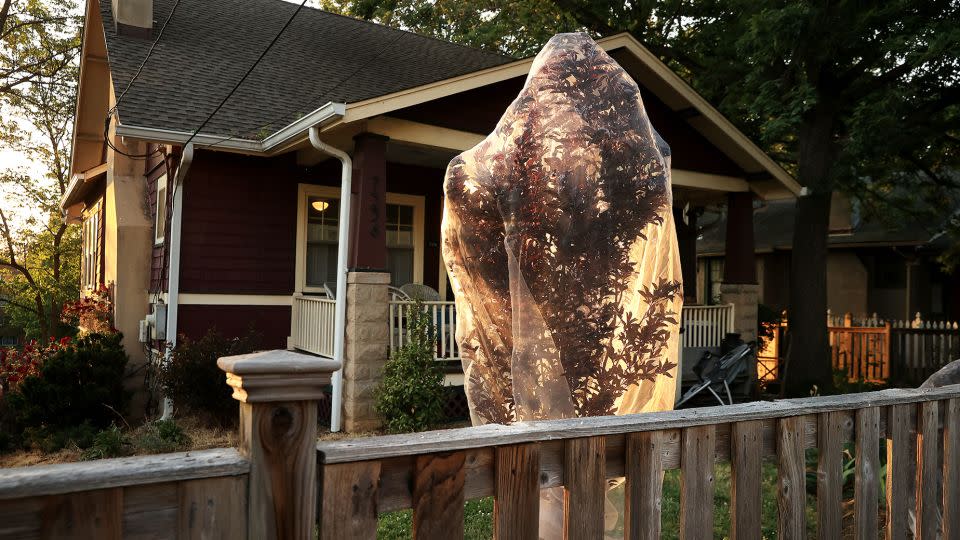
<point>239,229</point>
<point>157,165</point>
<point>271,322</point>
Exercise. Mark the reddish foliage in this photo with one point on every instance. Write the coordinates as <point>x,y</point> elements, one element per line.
<point>17,365</point>
<point>93,314</point>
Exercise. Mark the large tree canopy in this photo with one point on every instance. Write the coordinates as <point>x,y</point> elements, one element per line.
<point>851,96</point>
<point>39,252</point>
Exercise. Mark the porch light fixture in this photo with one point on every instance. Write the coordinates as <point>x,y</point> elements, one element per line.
<point>320,206</point>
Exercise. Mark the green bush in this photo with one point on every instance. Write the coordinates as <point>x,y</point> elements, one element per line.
<point>109,443</point>
<point>77,390</point>
<point>194,382</point>
<point>411,396</point>
<point>161,437</point>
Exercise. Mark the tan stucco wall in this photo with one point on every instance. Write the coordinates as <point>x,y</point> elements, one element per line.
<point>846,284</point>
<point>128,239</point>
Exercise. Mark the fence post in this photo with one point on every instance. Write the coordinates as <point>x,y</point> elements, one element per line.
<point>278,393</point>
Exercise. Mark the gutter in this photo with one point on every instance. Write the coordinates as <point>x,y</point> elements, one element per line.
<point>292,134</point>
<point>173,276</point>
<point>340,309</point>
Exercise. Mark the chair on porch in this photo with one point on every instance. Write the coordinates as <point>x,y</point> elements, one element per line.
<point>421,292</point>
<point>718,374</point>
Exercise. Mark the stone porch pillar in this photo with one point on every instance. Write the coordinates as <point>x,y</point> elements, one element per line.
<point>368,239</point>
<point>366,347</point>
<point>739,285</point>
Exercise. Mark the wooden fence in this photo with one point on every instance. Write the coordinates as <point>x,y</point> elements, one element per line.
<point>269,488</point>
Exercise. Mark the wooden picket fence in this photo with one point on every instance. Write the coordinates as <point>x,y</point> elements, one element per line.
<point>906,352</point>
<point>282,484</point>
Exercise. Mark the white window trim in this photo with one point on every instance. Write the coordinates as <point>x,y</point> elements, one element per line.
<point>158,238</point>
<point>305,191</point>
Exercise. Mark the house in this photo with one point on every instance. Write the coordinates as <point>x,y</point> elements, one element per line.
<point>872,267</point>
<point>236,221</point>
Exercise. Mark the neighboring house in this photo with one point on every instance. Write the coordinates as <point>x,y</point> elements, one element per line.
<point>251,222</point>
<point>871,267</point>
<point>10,336</point>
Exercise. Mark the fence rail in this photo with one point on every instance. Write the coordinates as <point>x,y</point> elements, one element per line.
<point>444,318</point>
<point>706,326</point>
<point>433,473</point>
<point>313,324</point>
<point>281,483</point>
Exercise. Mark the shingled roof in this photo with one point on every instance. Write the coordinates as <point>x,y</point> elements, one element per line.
<point>321,57</point>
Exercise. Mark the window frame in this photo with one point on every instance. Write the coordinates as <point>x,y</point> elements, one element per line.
<point>305,191</point>
<point>160,222</point>
<point>91,232</point>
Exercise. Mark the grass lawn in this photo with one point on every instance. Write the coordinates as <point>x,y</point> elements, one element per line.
<point>478,515</point>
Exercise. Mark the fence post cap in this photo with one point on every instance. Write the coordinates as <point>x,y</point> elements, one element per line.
<point>278,375</point>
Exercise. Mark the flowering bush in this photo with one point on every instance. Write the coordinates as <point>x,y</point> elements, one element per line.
<point>92,314</point>
<point>16,365</point>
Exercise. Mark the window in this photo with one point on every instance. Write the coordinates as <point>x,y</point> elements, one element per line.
<point>318,218</point>
<point>400,246</point>
<point>160,221</point>
<point>90,239</point>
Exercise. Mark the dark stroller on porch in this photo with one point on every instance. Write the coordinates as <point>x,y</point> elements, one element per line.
<point>717,373</point>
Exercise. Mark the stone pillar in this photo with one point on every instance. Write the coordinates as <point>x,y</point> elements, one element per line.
<point>744,298</point>
<point>368,238</point>
<point>366,347</point>
<point>278,393</point>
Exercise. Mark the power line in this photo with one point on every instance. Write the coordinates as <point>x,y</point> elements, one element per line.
<point>329,92</point>
<point>136,75</point>
<point>247,74</point>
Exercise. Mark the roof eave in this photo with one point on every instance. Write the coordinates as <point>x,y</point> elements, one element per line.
<point>278,142</point>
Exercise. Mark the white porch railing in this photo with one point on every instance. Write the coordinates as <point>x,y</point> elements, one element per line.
<point>705,326</point>
<point>313,324</point>
<point>444,317</point>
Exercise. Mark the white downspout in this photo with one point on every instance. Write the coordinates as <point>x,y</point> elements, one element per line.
<point>343,240</point>
<point>173,276</point>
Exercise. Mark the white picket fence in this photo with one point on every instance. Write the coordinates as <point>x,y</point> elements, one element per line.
<point>313,323</point>
<point>705,326</point>
<point>444,318</point>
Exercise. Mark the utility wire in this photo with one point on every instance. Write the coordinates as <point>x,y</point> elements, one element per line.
<point>318,98</point>
<point>247,74</point>
<point>106,128</point>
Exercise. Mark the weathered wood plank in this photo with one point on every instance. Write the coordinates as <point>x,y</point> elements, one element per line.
<point>151,511</point>
<point>697,482</point>
<point>349,500</point>
<point>746,446</point>
<point>131,471</point>
<point>928,472</point>
<point>901,471</point>
<point>438,496</point>
<point>584,490</point>
<point>951,469</point>
<point>516,507</point>
<point>791,492</point>
<point>213,508</point>
<point>830,475</point>
<point>866,487</point>
<point>89,514</point>
<point>644,489</point>
<point>495,435</point>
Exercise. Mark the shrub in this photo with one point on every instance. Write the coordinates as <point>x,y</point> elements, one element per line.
<point>161,437</point>
<point>411,396</point>
<point>194,382</point>
<point>80,383</point>
<point>109,443</point>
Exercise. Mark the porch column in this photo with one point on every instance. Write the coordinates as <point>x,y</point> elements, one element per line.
<point>687,244</point>
<point>368,240</point>
<point>739,285</point>
<point>366,347</point>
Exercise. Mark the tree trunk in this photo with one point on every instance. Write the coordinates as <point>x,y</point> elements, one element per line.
<point>808,354</point>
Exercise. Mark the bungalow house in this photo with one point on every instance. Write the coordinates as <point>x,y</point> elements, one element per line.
<point>872,267</point>
<point>236,221</point>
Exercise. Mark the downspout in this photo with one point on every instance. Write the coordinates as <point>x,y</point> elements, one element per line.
<point>340,312</point>
<point>173,275</point>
